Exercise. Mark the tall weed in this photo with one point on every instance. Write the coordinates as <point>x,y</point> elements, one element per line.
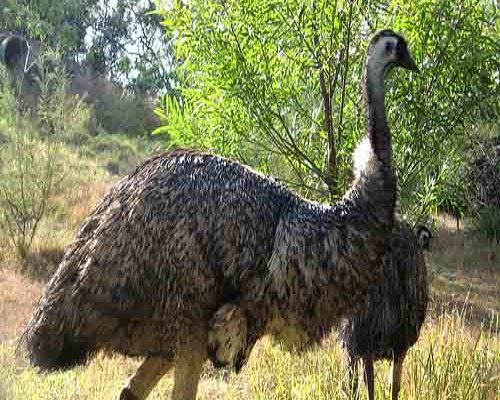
<point>32,168</point>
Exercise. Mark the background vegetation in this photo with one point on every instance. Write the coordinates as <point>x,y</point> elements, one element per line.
<point>275,85</point>
<point>278,86</point>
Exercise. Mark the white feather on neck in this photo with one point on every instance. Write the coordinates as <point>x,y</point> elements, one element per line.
<point>365,160</point>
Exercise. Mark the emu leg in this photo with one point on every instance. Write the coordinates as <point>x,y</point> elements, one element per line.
<point>396,369</point>
<point>369,379</point>
<point>145,378</point>
<point>353,378</point>
<point>187,373</point>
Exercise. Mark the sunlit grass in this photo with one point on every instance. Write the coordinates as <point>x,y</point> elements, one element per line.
<point>452,360</point>
<point>456,357</point>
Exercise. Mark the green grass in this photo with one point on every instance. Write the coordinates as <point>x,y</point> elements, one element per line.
<point>450,361</point>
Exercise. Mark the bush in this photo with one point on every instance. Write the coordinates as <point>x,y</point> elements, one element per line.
<point>488,223</point>
<point>32,166</point>
<point>116,110</point>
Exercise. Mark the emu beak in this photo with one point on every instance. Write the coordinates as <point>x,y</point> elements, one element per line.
<point>407,62</point>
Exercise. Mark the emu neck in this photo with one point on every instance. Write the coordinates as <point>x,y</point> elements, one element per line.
<point>374,94</point>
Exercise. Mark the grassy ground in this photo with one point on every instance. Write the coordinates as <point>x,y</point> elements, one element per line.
<point>457,356</point>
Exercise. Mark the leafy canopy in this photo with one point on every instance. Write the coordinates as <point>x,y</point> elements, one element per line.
<point>277,85</point>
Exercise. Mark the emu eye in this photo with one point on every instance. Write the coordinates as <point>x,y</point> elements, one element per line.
<point>401,49</point>
<point>389,46</point>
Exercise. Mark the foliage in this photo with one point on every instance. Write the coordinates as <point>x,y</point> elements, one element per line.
<point>129,43</point>
<point>276,85</point>
<point>27,178</point>
<point>488,223</point>
<point>456,48</point>
<point>116,110</point>
<point>119,39</point>
<point>58,24</point>
<point>252,73</point>
<point>30,169</point>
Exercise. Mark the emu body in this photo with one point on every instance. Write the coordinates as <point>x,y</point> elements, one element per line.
<point>389,324</point>
<point>188,232</point>
<point>192,247</point>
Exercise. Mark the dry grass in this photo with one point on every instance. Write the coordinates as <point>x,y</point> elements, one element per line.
<point>69,208</point>
<point>80,201</point>
<point>457,356</point>
<point>17,297</point>
<point>465,271</point>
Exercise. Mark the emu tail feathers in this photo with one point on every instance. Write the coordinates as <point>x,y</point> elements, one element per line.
<point>50,345</point>
<point>50,353</point>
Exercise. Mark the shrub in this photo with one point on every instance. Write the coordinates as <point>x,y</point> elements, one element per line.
<point>116,110</point>
<point>31,165</point>
<point>488,223</point>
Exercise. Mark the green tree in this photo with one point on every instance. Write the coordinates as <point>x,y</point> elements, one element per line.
<point>61,24</point>
<point>277,85</point>
<point>128,42</point>
<point>457,46</point>
<point>121,39</point>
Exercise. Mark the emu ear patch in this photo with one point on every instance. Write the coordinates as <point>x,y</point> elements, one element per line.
<point>389,48</point>
<point>12,50</point>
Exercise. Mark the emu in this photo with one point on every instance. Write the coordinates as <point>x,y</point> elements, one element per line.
<point>395,310</point>
<point>16,55</point>
<point>173,244</point>
<point>13,51</point>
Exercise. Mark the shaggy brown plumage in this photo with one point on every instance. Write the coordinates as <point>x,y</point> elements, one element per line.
<point>188,233</point>
<point>395,310</point>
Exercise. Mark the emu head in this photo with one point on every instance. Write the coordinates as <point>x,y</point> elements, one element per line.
<point>23,71</point>
<point>227,337</point>
<point>387,50</point>
<point>13,51</point>
<point>424,237</point>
